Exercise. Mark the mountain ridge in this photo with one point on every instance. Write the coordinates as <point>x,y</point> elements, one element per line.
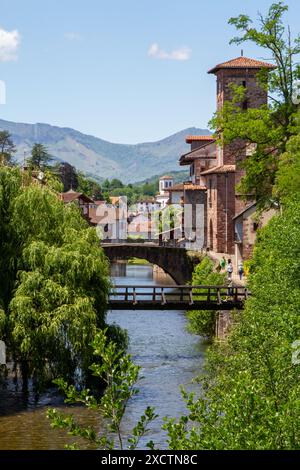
<point>99,157</point>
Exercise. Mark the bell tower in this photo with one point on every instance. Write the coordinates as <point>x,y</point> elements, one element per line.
<point>241,71</point>
<point>224,203</point>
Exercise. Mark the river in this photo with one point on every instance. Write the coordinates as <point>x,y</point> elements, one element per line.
<point>159,343</point>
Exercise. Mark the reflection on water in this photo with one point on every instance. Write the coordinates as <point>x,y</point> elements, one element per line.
<point>169,357</point>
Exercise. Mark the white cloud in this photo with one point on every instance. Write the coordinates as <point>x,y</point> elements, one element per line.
<point>183,53</point>
<point>9,42</point>
<point>72,36</point>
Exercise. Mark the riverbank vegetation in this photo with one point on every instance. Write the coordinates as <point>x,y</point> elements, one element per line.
<point>120,375</point>
<point>54,279</point>
<point>251,386</point>
<point>203,323</point>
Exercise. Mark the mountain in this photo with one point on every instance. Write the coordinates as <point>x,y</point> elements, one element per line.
<point>97,157</point>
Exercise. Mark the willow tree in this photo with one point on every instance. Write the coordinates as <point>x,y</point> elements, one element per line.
<point>55,281</point>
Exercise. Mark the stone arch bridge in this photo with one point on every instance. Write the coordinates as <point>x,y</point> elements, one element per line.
<point>177,262</point>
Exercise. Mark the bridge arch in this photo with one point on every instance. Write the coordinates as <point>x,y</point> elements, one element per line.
<point>177,262</point>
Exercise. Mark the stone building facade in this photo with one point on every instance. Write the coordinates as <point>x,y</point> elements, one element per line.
<point>217,169</point>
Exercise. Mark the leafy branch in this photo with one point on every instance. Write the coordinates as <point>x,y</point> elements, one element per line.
<point>120,376</point>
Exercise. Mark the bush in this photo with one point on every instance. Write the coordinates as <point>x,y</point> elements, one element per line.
<point>203,322</point>
<point>251,388</point>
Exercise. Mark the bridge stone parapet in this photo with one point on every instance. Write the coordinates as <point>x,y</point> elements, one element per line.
<point>177,262</point>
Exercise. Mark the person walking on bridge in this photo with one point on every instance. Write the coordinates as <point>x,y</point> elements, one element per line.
<point>223,263</point>
<point>229,270</point>
<point>241,270</point>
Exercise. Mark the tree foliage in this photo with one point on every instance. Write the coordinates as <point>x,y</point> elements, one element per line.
<point>54,280</point>
<point>120,374</point>
<point>287,184</point>
<point>40,158</point>
<point>7,148</point>
<point>203,322</point>
<point>265,131</point>
<point>89,187</point>
<point>251,388</point>
<point>68,175</point>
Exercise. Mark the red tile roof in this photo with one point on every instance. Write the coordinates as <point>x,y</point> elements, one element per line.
<point>71,196</point>
<point>194,187</point>
<point>241,63</point>
<point>176,187</point>
<point>219,169</point>
<point>195,138</point>
<point>189,157</point>
<point>166,177</point>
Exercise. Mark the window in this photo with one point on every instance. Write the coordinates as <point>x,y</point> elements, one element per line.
<point>192,169</point>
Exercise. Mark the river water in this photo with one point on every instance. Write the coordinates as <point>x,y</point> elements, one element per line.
<point>169,356</point>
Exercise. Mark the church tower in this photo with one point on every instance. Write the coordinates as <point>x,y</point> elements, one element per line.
<point>223,201</point>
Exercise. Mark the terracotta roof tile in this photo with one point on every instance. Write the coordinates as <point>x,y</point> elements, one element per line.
<point>194,187</point>
<point>219,169</point>
<point>189,157</point>
<point>166,177</point>
<point>241,63</point>
<point>176,187</point>
<point>71,196</point>
<point>202,138</point>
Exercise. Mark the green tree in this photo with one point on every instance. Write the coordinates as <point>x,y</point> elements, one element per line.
<point>106,185</point>
<point>116,183</point>
<point>120,375</point>
<point>67,174</point>
<point>53,181</point>
<point>89,187</point>
<point>40,158</point>
<point>7,148</point>
<point>203,322</point>
<point>54,281</point>
<point>251,388</point>
<point>268,128</point>
<point>287,184</point>
<point>150,189</point>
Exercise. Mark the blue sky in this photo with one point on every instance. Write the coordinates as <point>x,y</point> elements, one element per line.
<point>124,70</point>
